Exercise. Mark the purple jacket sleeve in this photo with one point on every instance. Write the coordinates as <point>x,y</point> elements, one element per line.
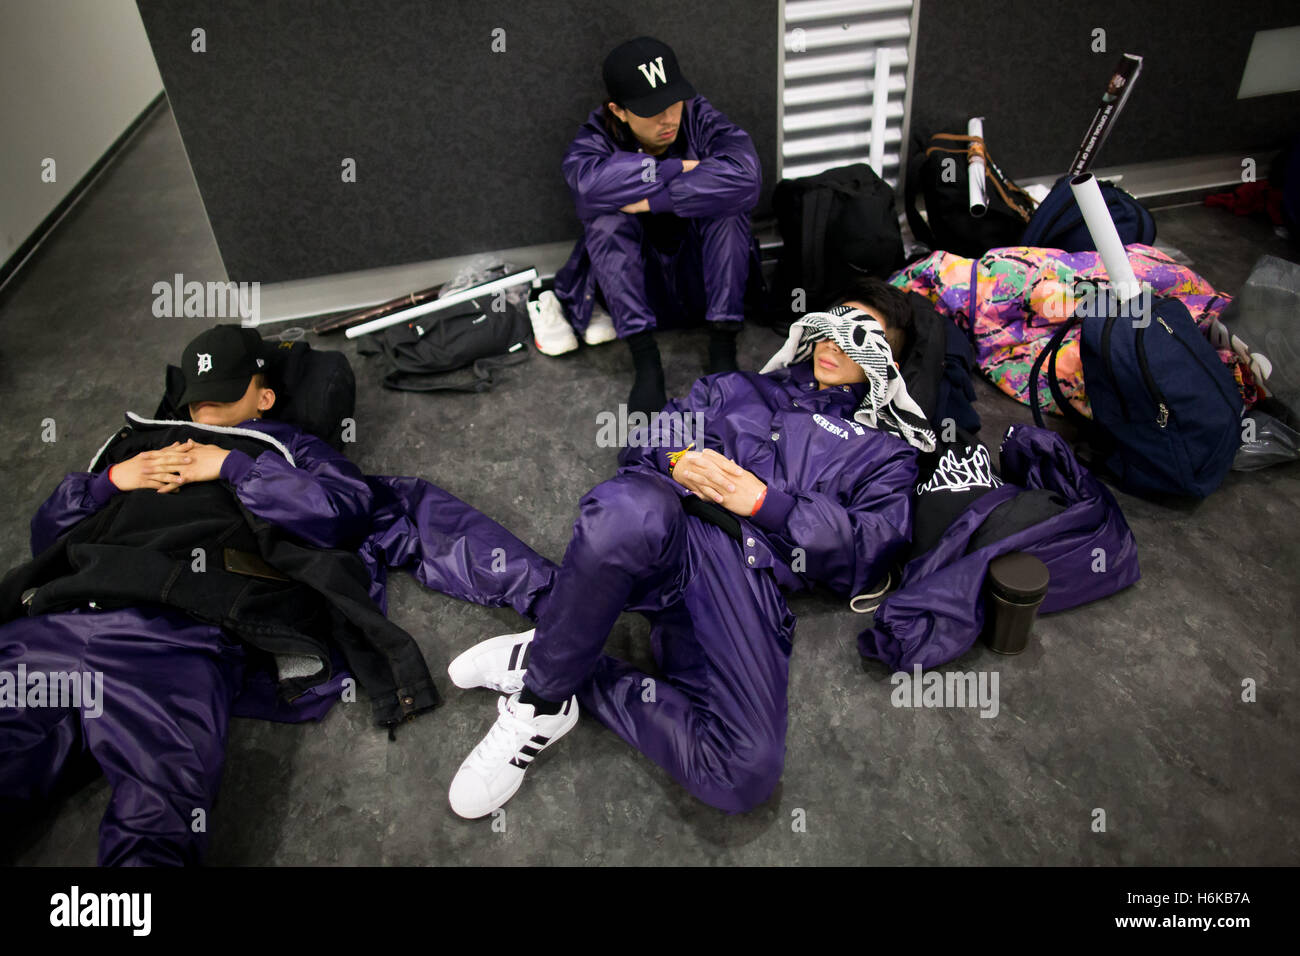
<point>604,179</point>
<point>323,499</point>
<point>728,179</point>
<point>673,430</point>
<point>81,493</point>
<point>846,545</point>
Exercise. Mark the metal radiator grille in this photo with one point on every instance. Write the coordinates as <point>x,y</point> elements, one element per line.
<point>846,69</point>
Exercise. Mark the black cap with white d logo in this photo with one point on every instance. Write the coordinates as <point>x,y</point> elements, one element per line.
<point>642,75</point>
<point>219,363</point>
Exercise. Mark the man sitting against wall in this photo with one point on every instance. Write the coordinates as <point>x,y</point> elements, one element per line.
<point>664,185</point>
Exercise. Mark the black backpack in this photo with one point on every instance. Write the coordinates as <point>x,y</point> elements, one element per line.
<point>314,389</point>
<point>938,171</point>
<point>420,353</point>
<point>834,226</point>
<point>936,366</point>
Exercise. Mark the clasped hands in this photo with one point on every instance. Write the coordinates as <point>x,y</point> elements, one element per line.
<point>718,479</point>
<point>167,469</point>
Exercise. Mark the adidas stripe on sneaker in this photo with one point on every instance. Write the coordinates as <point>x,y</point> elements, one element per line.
<point>499,663</point>
<point>494,770</point>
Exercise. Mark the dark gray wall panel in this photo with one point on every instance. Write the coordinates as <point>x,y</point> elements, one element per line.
<point>1027,66</point>
<point>458,148</point>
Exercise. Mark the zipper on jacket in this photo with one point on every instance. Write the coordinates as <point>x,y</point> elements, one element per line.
<point>138,420</point>
<point>1162,409</point>
<point>1197,358</point>
<point>1105,355</point>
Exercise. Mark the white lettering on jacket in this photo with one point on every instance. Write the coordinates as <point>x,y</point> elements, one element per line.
<point>831,426</point>
<point>957,474</point>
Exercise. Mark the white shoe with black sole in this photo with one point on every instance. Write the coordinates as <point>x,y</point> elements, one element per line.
<point>494,770</point>
<point>498,663</point>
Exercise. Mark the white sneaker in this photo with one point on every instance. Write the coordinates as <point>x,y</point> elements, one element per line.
<point>494,770</point>
<point>499,663</point>
<point>552,333</point>
<point>600,329</point>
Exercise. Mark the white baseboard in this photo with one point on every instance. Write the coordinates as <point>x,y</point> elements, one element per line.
<point>1170,176</point>
<point>305,298</point>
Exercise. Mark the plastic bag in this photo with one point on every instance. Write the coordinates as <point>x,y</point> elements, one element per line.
<point>1274,442</point>
<point>482,269</point>
<point>1266,313</point>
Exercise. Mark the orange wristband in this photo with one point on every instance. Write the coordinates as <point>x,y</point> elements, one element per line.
<point>110,475</point>
<point>762,496</point>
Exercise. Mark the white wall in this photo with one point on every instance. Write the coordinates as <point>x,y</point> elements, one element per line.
<point>73,75</point>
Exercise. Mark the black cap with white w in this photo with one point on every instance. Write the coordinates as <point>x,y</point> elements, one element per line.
<point>642,75</point>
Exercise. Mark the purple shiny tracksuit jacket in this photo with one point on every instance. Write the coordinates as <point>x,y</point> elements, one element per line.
<point>157,729</point>
<point>838,509</point>
<point>639,279</point>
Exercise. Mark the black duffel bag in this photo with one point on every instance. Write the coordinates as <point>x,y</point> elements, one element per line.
<point>421,353</point>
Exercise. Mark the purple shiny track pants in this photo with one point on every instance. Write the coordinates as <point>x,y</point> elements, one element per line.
<point>160,735</point>
<point>650,266</point>
<point>721,635</point>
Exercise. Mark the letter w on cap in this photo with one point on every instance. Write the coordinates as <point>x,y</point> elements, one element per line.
<point>651,70</point>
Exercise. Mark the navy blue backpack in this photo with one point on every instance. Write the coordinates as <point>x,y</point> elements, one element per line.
<point>1166,413</point>
<point>1058,223</point>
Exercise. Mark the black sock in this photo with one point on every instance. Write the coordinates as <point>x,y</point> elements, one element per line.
<point>540,706</point>
<point>722,348</point>
<point>648,393</point>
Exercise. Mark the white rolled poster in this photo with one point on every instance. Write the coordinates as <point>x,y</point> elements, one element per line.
<point>1104,234</point>
<point>979,203</point>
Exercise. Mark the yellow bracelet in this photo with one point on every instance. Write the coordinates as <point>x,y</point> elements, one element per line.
<point>675,456</point>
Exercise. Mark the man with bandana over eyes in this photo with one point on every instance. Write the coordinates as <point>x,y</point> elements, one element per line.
<point>800,474</point>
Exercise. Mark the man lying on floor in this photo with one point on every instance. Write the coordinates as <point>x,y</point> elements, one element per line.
<point>802,475</point>
<point>194,559</point>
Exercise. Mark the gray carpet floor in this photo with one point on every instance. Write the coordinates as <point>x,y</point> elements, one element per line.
<point>1131,705</point>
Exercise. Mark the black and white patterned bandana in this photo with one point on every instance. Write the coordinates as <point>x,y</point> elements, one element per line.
<point>886,404</point>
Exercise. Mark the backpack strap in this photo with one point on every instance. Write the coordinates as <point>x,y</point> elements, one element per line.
<point>1048,354</point>
<point>1099,441</point>
<point>971,306</point>
<point>1011,194</point>
<point>1009,189</point>
<point>1023,210</point>
<point>955,138</point>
